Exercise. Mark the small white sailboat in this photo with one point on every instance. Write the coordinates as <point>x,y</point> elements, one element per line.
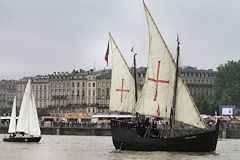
<point>27,128</point>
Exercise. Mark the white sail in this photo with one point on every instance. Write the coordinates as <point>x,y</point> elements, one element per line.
<point>157,93</point>
<point>12,125</point>
<point>33,125</point>
<point>28,119</point>
<point>122,96</point>
<point>23,116</point>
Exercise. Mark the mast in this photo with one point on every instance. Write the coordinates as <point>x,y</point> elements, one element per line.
<point>135,81</point>
<point>135,76</point>
<point>175,90</point>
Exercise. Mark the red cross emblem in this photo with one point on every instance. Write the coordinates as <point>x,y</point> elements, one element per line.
<point>122,90</point>
<point>157,81</point>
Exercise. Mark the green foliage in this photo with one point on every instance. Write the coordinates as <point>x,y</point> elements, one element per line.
<point>5,111</point>
<point>205,105</point>
<point>227,89</point>
<point>227,83</point>
<point>42,112</point>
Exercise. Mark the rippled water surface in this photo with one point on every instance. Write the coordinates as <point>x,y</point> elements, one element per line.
<point>52,147</point>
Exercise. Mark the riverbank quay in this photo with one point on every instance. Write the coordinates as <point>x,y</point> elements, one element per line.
<point>106,131</point>
<point>69,131</point>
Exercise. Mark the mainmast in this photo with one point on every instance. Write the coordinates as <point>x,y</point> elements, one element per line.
<point>135,75</point>
<point>175,91</point>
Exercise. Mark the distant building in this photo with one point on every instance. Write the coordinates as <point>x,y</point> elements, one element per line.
<point>7,93</point>
<point>199,80</point>
<point>88,92</point>
<point>39,87</point>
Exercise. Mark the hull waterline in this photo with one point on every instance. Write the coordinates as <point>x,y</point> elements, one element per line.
<point>126,138</point>
<point>22,139</point>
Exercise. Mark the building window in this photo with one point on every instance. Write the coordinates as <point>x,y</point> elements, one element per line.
<point>93,84</point>
<point>103,92</point>
<point>93,92</point>
<point>99,92</point>
<point>103,84</point>
<point>107,94</point>
<point>83,84</point>
<point>89,92</point>
<point>89,101</point>
<point>78,84</point>
<point>72,84</point>
<point>99,84</point>
<point>107,84</point>
<point>89,84</point>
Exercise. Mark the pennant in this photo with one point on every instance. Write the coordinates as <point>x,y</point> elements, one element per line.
<point>158,111</point>
<point>107,53</point>
<point>178,38</point>
<point>132,50</point>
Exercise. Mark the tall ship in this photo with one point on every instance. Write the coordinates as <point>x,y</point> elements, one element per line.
<point>164,95</point>
<point>27,128</point>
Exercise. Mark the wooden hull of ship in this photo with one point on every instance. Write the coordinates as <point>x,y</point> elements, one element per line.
<point>22,139</point>
<point>125,138</point>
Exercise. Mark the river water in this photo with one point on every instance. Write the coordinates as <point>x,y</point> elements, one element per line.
<point>53,147</point>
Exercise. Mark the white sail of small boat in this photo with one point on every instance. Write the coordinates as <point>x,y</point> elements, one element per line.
<point>34,128</point>
<point>159,83</point>
<point>122,96</point>
<point>12,125</point>
<point>28,119</point>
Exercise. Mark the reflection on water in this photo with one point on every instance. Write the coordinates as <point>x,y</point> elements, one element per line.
<point>53,147</point>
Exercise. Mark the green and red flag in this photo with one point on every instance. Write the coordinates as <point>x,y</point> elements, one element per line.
<point>107,53</point>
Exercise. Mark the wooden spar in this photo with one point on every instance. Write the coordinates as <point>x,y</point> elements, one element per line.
<point>175,90</point>
<point>135,76</point>
<point>135,80</point>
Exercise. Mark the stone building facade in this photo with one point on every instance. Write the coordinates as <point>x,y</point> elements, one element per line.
<point>199,81</point>
<point>7,93</point>
<point>89,91</point>
<point>39,86</point>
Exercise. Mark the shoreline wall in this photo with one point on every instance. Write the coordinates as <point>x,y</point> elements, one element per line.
<point>229,133</point>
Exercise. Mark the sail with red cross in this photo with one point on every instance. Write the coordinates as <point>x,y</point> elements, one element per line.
<point>122,96</point>
<point>159,83</point>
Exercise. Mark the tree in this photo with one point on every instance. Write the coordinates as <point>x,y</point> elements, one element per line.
<point>227,83</point>
<point>203,103</point>
<point>42,112</point>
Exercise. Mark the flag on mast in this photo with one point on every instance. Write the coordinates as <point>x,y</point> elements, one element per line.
<point>132,49</point>
<point>107,53</point>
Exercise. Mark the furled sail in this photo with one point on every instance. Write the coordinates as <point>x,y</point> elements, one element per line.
<point>12,125</point>
<point>122,96</point>
<point>157,94</point>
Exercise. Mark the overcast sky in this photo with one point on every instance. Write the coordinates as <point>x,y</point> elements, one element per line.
<point>46,36</point>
